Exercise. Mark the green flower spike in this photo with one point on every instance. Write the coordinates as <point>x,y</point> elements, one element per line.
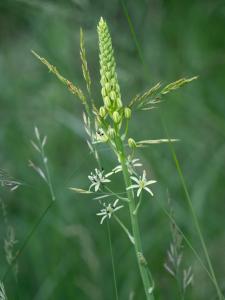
<point>109,82</point>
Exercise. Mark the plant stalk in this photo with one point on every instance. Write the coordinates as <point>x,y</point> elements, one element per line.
<point>142,264</point>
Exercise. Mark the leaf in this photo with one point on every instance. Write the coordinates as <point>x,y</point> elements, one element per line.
<point>80,191</point>
<point>103,196</point>
<point>153,142</point>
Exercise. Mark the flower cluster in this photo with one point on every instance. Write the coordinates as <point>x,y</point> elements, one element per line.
<point>110,87</point>
<point>98,178</point>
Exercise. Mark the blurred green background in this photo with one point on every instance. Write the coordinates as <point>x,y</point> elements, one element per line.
<point>68,257</point>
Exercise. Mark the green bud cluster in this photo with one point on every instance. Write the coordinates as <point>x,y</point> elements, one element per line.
<point>109,82</point>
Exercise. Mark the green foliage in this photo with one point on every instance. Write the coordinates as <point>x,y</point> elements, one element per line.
<point>67,255</point>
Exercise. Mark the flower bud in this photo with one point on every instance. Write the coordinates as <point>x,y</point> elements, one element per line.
<point>127,112</point>
<point>103,92</point>
<point>108,75</point>
<point>118,102</point>
<point>102,111</point>
<point>111,132</point>
<point>107,102</point>
<point>131,143</point>
<point>116,117</point>
<point>113,95</point>
<point>107,87</point>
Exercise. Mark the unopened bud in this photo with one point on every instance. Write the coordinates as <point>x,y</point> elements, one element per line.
<point>113,95</point>
<point>107,87</point>
<point>107,101</point>
<point>127,112</point>
<point>119,102</point>
<point>131,143</point>
<point>103,92</point>
<point>116,117</point>
<point>108,75</point>
<point>111,132</point>
<point>102,111</point>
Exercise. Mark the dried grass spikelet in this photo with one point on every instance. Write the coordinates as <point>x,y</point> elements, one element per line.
<point>2,292</point>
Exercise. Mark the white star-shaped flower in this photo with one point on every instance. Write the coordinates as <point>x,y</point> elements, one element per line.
<point>131,164</point>
<point>98,178</point>
<point>141,184</point>
<point>108,210</point>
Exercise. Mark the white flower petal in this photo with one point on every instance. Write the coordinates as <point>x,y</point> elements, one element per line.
<point>148,190</point>
<point>139,191</point>
<point>114,204</point>
<point>133,186</point>
<point>103,218</point>
<point>105,180</point>
<point>150,182</point>
<point>117,208</point>
<point>108,174</point>
<point>134,160</point>
<point>101,214</point>
<point>135,179</point>
<point>97,185</point>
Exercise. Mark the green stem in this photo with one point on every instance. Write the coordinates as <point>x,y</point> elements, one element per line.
<point>144,271</point>
<point>124,228</point>
<point>116,194</point>
<point>138,205</point>
<point>112,260</point>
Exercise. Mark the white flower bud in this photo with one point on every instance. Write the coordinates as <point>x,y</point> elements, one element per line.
<point>127,112</point>
<point>113,95</point>
<point>111,132</point>
<point>116,117</point>
<point>131,143</point>
<point>107,102</point>
<point>102,111</point>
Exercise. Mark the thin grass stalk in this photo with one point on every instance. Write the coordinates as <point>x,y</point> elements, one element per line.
<point>112,260</point>
<point>26,240</point>
<point>194,216</point>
